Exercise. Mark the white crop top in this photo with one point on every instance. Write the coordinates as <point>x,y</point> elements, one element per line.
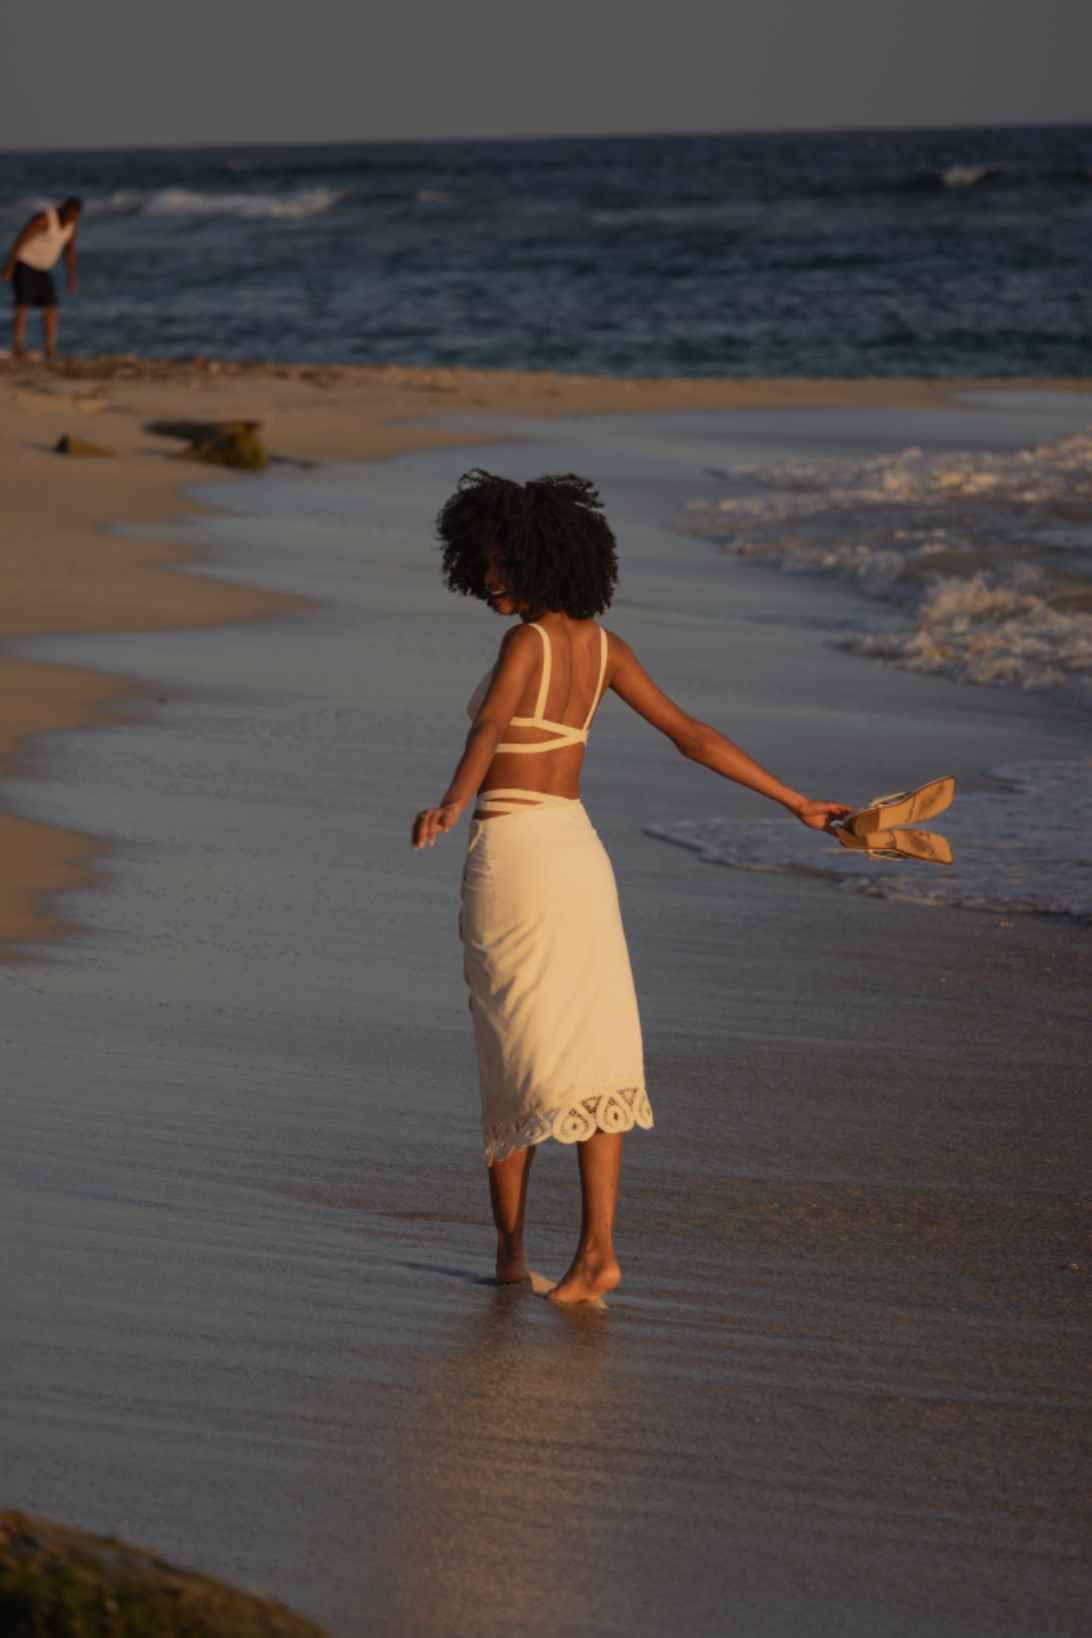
<point>565,734</point>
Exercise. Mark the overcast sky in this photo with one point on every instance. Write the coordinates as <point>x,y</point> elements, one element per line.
<point>135,73</point>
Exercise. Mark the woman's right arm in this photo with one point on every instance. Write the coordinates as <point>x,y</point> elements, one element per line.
<point>699,743</point>
<point>519,655</point>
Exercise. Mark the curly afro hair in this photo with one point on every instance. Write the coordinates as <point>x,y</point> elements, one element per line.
<point>559,548</point>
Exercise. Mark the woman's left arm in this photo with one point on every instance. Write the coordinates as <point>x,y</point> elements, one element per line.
<point>699,743</point>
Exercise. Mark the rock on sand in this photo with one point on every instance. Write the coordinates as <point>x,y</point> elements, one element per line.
<point>59,1583</point>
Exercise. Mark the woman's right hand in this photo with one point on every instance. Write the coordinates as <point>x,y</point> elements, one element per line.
<point>432,822</point>
<point>822,815</point>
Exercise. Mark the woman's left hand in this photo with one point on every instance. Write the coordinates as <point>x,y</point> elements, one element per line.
<point>432,822</point>
<point>822,815</point>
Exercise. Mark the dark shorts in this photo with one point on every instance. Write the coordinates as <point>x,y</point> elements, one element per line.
<point>32,287</point>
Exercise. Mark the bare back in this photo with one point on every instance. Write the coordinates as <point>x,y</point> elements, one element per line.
<point>572,661</point>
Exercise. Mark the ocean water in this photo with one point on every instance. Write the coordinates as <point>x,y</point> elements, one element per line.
<point>892,252</point>
<point>986,553</point>
<point>971,562</point>
<point>1023,846</point>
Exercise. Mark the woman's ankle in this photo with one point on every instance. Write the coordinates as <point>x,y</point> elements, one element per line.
<point>511,1257</point>
<point>596,1248</point>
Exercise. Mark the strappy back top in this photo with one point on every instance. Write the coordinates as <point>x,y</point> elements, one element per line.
<point>564,735</point>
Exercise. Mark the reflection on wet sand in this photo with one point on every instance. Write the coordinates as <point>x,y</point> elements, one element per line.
<point>504,1466</point>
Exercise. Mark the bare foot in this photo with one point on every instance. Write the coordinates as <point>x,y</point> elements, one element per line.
<point>590,1276</point>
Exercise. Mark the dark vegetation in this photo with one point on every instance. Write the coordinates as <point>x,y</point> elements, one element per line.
<point>218,443</point>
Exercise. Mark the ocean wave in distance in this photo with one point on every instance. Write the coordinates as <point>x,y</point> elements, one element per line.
<point>989,554</point>
<point>250,207</point>
<point>1024,848</point>
<point>966,176</point>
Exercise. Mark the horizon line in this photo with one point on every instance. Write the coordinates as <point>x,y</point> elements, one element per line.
<point>602,136</point>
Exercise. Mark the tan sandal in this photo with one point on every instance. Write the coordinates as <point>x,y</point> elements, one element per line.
<point>904,808</point>
<point>899,844</point>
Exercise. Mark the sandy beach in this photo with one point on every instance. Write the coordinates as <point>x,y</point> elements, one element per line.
<point>842,1389</point>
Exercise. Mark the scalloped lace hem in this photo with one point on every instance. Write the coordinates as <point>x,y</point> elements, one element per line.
<point>570,1123</point>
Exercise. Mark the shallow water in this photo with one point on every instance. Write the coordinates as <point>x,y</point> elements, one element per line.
<point>1020,848</point>
<point>989,550</point>
<point>842,1389</point>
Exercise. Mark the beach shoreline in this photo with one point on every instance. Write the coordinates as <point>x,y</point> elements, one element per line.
<point>66,569</point>
<point>243,1177</point>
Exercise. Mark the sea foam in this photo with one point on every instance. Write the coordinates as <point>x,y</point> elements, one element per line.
<point>294,205</point>
<point>990,554</point>
<point>966,176</point>
<point>1022,848</point>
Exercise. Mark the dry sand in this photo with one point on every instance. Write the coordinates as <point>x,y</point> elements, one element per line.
<point>63,571</point>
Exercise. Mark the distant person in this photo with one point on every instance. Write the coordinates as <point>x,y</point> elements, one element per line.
<point>47,236</point>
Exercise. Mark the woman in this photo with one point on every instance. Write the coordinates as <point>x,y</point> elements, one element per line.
<point>555,1016</point>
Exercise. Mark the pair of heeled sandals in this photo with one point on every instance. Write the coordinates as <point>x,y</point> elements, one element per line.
<point>877,830</point>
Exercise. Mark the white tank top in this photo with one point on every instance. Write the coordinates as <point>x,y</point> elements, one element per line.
<point>42,251</point>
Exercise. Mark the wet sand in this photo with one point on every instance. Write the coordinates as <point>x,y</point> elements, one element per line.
<point>842,1389</point>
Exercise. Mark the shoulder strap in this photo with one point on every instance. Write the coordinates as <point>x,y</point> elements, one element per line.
<point>602,674</point>
<point>547,664</point>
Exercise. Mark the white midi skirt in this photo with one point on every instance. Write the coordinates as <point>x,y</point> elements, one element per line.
<point>551,991</point>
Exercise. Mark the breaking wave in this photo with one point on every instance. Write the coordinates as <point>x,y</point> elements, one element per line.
<point>989,554</point>
<point>1024,848</point>
<point>249,207</point>
<point>975,632</point>
<point>965,176</point>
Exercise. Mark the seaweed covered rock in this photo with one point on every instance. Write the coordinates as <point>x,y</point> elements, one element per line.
<point>235,446</point>
<point>59,1583</point>
<point>219,443</point>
